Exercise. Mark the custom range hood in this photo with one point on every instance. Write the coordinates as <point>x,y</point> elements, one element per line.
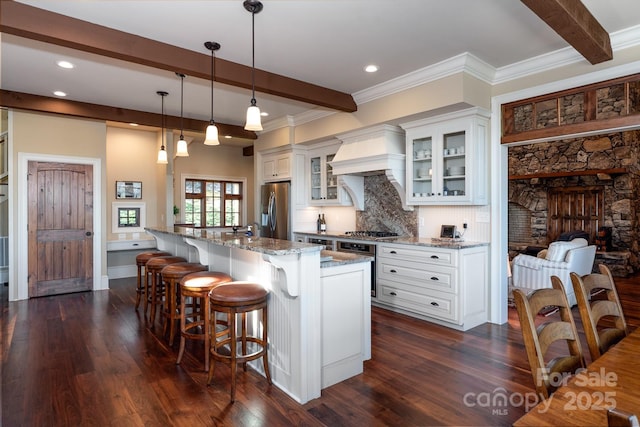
<point>372,151</point>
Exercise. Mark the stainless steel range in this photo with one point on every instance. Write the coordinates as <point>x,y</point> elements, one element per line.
<point>364,248</point>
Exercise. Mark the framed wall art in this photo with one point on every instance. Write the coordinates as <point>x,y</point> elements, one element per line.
<point>128,190</point>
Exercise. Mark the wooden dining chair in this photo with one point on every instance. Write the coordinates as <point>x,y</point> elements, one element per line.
<point>547,374</point>
<point>603,319</point>
<point>619,418</point>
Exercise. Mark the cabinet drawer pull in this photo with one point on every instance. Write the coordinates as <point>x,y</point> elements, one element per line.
<point>393,252</point>
<point>434,278</point>
<point>435,304</point>
<point>392,294</point>
<point>392,271</point>
<point>435,257</point>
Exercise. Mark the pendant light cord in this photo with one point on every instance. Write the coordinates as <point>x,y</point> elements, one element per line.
<point>162,122</point>
<point>253,58</point>
<point>181,106</point>
<point>213,76</point>
<point>162,95</point>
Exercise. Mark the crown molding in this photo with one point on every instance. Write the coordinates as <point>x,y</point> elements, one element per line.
<point>472,65</point>
<point>465,62</point>
<point>620,40</point>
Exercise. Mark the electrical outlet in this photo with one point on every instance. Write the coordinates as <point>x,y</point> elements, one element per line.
<point>465,225</point>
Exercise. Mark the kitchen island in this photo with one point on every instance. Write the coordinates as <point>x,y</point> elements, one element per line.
<point>319,312</point>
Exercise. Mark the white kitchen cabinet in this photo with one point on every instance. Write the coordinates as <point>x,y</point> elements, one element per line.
<point>443,285</point>
<point>447,159</point>
<point>324,189</point>
<point>276,167</point>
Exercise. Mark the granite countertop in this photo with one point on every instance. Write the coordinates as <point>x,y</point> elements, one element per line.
<point>239,240</point>
<point>417,241</point>
<point>341,258</point>
<point>436,243</point>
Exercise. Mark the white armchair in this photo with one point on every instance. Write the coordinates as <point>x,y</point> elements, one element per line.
<point>561,259</point>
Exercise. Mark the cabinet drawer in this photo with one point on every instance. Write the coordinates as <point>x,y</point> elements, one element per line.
<point>433,256</point>
<point>130,245</point>
<point>436,277</point>
<point>435,304</point>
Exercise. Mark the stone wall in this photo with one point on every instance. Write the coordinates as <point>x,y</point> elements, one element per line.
<point>615,150</point>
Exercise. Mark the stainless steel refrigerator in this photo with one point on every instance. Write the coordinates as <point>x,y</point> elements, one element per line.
<point>275,202</point>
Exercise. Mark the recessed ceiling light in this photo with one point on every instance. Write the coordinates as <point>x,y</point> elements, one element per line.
<point>65,64</point>
<point>59,93</point>
<point>371,68</point>
<point>227,136</point>
<point>264,113</point>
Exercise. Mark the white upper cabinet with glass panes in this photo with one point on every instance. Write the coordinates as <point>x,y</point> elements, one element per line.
<point>324,189</point>
<point>447,159</point>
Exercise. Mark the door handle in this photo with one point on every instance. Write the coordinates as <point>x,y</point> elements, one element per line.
<point>87,233</point>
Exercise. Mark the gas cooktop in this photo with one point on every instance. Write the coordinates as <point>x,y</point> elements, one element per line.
<point>369,234</point>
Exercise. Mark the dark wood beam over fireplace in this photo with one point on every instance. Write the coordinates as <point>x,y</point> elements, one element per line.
<point>574,23</point>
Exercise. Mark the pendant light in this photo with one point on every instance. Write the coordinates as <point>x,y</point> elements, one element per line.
<point>181,149</point>
<point>212,131</point>
<point>162,154</point>
<point>253,112</point>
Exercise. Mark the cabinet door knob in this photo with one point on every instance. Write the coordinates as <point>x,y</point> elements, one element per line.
<point>392,271</point>
<point>435,257</point>
<point>392,293</point>
<point>434,278</point>
<point>435,304</point>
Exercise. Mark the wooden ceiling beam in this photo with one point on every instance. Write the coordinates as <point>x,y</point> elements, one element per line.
<point>38,24</point>
<point>43,104</point>
<point>573,22</point>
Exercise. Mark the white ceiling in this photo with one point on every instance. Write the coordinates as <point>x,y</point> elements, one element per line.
<point>325,42</point>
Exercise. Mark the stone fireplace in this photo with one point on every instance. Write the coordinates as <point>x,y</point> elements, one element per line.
<point>582,183</point>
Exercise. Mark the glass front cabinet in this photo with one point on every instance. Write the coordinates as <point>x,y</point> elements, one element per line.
<point>324,189</point>
<point>447,159</point>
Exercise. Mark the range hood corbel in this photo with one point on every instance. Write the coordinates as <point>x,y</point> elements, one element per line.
<point>373,151</point>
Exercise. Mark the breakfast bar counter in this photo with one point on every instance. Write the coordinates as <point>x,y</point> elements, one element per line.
<point>309,302</point>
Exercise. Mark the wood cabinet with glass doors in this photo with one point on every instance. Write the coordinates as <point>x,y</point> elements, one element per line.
<point>324,189</point>
<point>446,159</point>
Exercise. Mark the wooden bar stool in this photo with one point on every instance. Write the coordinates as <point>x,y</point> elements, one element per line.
<point>141,261</point>
<point>235,298</point>
<point>171,275</point>
<point>153,268</point>
<point>197,286</point>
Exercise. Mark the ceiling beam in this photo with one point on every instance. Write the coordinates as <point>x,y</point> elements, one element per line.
<point>43,104</point>
<point>33,23</point>
<point>573,22</point>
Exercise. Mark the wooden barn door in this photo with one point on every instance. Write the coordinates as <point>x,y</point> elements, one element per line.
<point>575,208</point>
<point>60,201</point>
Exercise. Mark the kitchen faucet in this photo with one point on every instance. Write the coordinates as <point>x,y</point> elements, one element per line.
<point>255,230</point>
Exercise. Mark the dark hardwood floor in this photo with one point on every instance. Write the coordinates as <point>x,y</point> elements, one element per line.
<point>88,359</point>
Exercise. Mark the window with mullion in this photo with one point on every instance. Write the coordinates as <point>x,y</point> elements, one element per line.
<point>208,206</point>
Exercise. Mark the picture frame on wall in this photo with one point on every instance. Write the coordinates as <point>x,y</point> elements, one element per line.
<point>128,190</point>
